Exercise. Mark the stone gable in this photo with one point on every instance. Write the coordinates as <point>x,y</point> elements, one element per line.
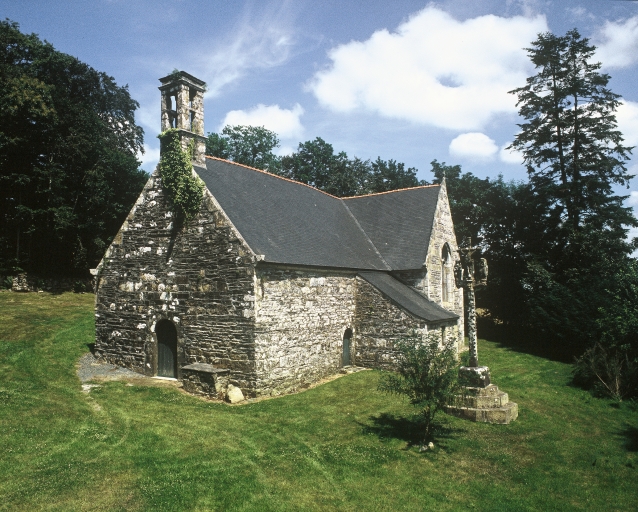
<point>199,276</point>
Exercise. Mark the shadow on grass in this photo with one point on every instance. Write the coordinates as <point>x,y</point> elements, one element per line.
<point>630,434</point>
<point>409,429</point>
<point>527,343</point>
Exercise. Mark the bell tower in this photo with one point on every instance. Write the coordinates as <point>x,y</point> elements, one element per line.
<point>183,109</point>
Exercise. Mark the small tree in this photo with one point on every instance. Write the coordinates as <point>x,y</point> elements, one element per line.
<point>426,374</point>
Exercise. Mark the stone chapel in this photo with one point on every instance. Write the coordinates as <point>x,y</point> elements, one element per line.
<point>274,284</point>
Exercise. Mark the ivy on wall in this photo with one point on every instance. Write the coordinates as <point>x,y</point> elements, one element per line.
<point>183,190</point>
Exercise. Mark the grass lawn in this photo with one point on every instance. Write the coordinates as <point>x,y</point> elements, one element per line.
<point>339,446</point>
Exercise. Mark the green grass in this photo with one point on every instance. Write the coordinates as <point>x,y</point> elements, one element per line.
<point>339,446</point>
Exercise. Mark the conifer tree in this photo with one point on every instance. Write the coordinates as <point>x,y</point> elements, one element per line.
<point>571,146</point>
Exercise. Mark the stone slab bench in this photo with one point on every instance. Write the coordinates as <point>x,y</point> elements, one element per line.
<point>205,379</point>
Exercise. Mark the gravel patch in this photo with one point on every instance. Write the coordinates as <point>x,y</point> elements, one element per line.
<point>90,368</point>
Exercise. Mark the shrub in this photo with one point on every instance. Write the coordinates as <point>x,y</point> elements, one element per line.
<point>427,374</point>
<point>610,371</point>
<point>610,366</point>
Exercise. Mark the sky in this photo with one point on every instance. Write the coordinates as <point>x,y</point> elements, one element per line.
<point>406,80</point>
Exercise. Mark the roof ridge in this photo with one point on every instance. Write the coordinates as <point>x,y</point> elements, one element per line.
<point>391,191</point>
<point>315,188</point>
<point>271,174</point>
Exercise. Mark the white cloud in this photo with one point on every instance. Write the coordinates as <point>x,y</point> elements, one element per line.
<point>510,156</point>
<point>579,13</point>
<point>262,40</point>
<point>150,158</point>
<point>433,69</point>
<point>627,117</point>
<point>283,122</point>
<point>617,43</point>
<point>632,200</point>
<point>473,145</point>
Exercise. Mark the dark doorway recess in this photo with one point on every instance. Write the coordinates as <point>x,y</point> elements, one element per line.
<point>347,337</point>
<point>166,349</point>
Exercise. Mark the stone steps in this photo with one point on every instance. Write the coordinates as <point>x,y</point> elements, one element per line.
<point>485,404</point>
<point>502,415</point>
<point>482,398</point>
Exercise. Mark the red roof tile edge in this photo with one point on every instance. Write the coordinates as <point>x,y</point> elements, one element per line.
<point>315,188</point>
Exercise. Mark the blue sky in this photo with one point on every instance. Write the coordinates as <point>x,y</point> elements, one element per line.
<point>408,80</point>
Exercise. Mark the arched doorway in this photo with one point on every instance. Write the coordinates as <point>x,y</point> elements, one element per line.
<point>347,338</point>
<point>166,349</point>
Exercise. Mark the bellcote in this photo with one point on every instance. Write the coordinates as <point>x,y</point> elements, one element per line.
<point>183,108</point>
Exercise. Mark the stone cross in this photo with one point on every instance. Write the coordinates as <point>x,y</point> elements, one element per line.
<point>466,277</point>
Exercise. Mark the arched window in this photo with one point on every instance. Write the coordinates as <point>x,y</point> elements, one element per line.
<point>447,276</point>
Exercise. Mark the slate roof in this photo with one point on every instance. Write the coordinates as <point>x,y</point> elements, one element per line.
<point>293,223</point>
<point>399,223</point>
<point>407,297</point>
<point>289,222</point>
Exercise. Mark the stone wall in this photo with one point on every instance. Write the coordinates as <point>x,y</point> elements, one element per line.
<point>199,276</point>
<point>32,283</point>
<point>443,233</point>
<point>300,319</point>
<point>429,279</point>
<point>379,323</point>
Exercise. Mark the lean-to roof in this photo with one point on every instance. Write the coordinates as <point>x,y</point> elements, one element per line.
<point>407,297</point>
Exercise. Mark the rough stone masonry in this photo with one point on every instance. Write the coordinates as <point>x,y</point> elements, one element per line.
<point>273,285</point>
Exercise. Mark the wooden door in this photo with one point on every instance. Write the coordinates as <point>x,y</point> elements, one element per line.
<point>166,349</point>
<point>345,358</point>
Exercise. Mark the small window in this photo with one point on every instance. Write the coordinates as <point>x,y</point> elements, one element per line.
<point>172,112</point>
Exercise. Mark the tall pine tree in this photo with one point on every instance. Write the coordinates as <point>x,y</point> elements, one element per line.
<point>572,148</point>
<point>575,157</point>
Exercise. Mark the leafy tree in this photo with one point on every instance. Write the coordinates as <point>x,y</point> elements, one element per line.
<point>315,163</point>
<point>68,167</point>
<point>426,374</point>
<point>248,145</point>
<point>392,175</point>
<point>575,251</point>
<point>217,145</point>
<point>500,217</point>
<point>610,364</point>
